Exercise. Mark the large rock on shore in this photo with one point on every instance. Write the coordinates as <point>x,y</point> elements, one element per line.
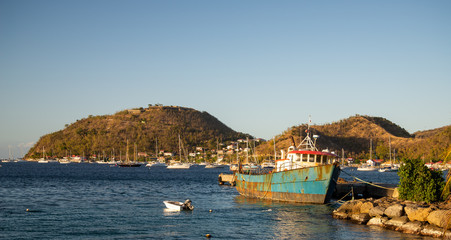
<point>377,221</point>
<point>361,218</point>
<point>412,227</point>
<point>366,207</point>
<point>348,206</point>
<point>393,211</point>
<point>434,231</point>
<point>340,215</point>
<point>416,213</point>
<point>406,216</point>
<point>377,211</point>
<point>440,218</point>
<point>396,222</point>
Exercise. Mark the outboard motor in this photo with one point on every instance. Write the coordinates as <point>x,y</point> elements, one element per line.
<point>187,205</point>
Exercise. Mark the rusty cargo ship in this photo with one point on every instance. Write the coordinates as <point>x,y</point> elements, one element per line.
<point>306,175</point>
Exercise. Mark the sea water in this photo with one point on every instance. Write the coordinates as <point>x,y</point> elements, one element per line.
<point>100,201</point>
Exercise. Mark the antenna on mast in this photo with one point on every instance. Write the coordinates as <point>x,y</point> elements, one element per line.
<point>309,121</point>
<point>307,143</point>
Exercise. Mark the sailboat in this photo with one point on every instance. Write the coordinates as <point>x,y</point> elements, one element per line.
<point>391,168</point>
<point>127,162</point>
<point>43,160</point>
<point>179,165</point>
<point>64,161</point>
<point>367,167</point>
<point>216,164</point>
<point>157,163</point>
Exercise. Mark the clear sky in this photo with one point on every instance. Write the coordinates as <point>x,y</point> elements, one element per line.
<point>260,67</point>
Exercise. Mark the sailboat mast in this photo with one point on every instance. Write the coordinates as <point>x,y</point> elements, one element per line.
<point>156,148</point>
<point>371,149</point>
<point>237,149</point>
<point>180,150</point>
<point>134,152</point>
<point>126,153</point>
<point>275,153</point>
<point>389,148</point>
<point>342,156</point>
<point>247,149</point>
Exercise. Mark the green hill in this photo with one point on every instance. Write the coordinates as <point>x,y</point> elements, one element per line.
<point>145,127</point>
<point>161,125</point>
<point>353,136</point>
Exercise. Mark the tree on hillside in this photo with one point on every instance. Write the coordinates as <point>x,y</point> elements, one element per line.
<point>382,150</point>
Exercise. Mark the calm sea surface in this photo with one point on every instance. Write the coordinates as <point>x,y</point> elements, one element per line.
<point>93,201</point>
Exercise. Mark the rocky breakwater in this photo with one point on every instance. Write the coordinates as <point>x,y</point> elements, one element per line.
<point>405,216</point>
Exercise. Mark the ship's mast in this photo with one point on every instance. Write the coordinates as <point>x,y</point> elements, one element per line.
<point>307,143</point>
<point>389,148</point>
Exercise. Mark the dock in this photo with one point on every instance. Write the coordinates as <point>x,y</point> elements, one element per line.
<point>227,179</point>
<point>364,190</point>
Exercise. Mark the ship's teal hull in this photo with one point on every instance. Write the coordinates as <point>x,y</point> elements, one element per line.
<point>304,185</point>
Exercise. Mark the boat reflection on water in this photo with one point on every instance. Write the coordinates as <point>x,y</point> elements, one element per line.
<point>291,220</point>
<point>286,220</point>
<point>170,212</point>
<point>254,202</point>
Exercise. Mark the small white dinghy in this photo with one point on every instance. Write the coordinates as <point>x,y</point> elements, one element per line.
<point>179,206</point>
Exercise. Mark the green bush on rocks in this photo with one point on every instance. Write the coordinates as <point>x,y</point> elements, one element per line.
<point>419,183</point>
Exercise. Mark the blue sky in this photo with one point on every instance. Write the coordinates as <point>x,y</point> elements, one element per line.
<point>260,67</point>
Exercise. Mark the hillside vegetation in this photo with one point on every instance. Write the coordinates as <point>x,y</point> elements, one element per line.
<point>149,128</point>
<point>160,126</point>
<point>354,134</point>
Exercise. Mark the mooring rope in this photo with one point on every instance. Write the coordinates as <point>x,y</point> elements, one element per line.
<point>341,199</point>
<point>369,183</point>
<point>352,189</point>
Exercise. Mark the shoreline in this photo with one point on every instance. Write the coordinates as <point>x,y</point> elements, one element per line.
<point>418,218</point>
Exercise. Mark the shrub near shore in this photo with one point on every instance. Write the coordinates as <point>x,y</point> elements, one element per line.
<point>419,183</point>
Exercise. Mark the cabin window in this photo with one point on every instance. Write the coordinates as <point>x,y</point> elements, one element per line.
<point>303,158</point>
<point>311,158</point>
